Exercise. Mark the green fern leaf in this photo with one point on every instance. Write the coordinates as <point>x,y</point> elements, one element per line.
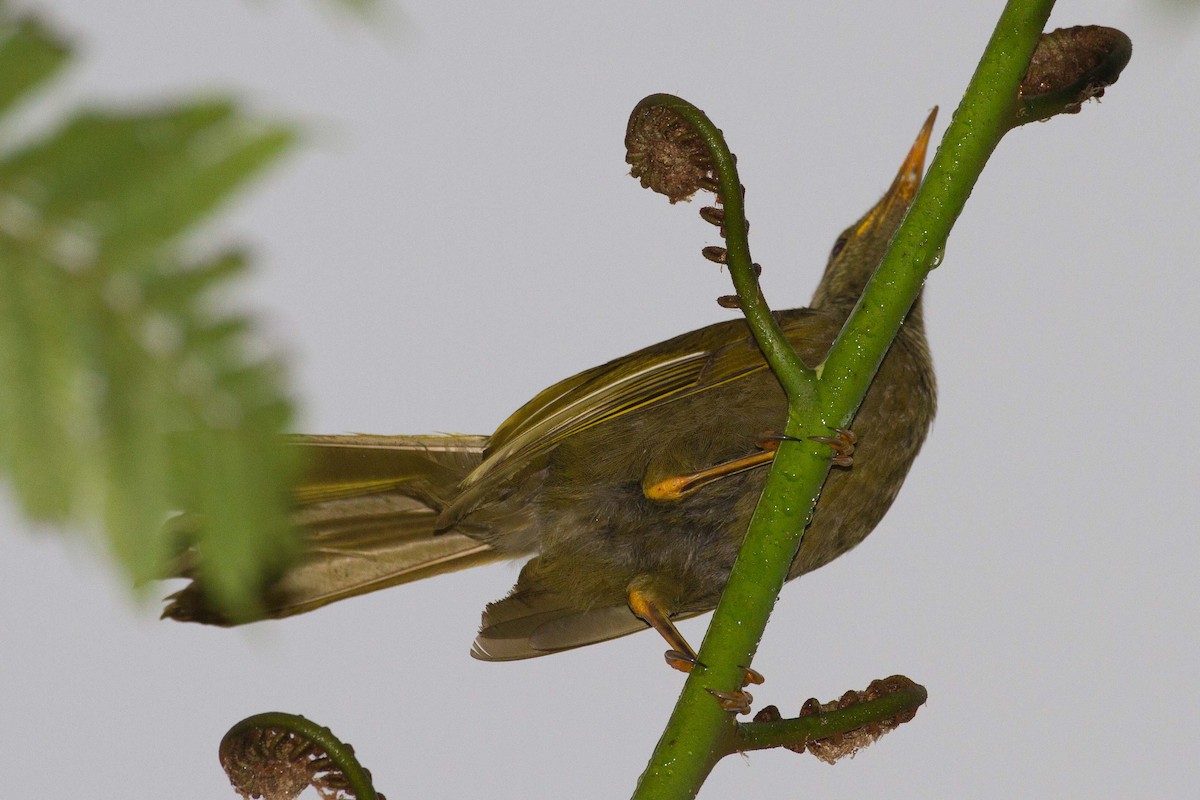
<point>126,396</point>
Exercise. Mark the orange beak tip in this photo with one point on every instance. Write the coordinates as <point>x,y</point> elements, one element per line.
<point>908,178</point>
<point>915,162</point>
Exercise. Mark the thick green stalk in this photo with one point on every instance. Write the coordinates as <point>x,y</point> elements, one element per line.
<point>699,733</point>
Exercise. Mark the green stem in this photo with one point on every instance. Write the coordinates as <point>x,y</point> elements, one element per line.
<point>981,120</point>
<point>801,730</point>
<point>699,732</point>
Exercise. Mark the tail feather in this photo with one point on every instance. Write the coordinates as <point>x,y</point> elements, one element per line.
<point>368,506</point>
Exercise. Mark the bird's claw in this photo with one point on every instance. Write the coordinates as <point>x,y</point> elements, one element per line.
<point>737,702</point>
<point>752,676</point>
<point>677,659</point>
<point>769,440</point>
<point>842,444</point>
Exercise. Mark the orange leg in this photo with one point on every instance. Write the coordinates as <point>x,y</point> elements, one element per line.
<point>681,656</point>
<point>678,487</point>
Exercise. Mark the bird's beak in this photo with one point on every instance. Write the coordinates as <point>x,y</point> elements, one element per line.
<point>904,187</point>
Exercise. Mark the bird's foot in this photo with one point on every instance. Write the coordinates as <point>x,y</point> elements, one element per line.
<point>681,661</point>
<point>842,444</point>
<point>681,656</point>
<point>685,662</point>
<point>736,702</point>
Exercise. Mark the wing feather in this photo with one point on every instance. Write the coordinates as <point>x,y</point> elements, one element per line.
<point>674,369</point>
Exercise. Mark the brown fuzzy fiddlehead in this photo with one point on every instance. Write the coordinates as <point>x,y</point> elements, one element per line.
<point>1069,67</point>
<point>666,155</point>
<point>277,756</point>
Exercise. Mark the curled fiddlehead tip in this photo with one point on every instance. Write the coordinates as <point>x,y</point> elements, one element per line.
<point>666,155</point>
<point>1070,67</point>
<point>278,756</point>
<point>839,745</point>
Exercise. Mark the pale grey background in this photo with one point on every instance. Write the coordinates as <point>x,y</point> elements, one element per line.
<point>458,232</point>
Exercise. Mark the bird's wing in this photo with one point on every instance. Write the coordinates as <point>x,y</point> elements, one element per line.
<point>662,373</point>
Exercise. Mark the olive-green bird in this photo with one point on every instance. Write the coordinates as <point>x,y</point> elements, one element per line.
<point>631,485</point>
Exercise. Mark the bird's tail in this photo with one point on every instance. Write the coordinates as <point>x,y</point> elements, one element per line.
<point>368,507</point>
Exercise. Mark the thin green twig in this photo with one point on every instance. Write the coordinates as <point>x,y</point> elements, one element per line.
<point>799,731</point>
<point>791,371</point>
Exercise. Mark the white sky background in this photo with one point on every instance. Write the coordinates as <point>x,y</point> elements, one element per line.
<point>458,231</point>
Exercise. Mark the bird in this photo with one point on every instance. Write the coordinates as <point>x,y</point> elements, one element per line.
<point>628,487</point>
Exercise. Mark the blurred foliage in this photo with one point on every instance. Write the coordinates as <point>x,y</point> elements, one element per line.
<point>359,6</point>
<point>128,393</point>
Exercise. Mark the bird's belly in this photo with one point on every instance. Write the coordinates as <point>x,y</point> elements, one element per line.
<point>595,531</point>
<point>596,540</point>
